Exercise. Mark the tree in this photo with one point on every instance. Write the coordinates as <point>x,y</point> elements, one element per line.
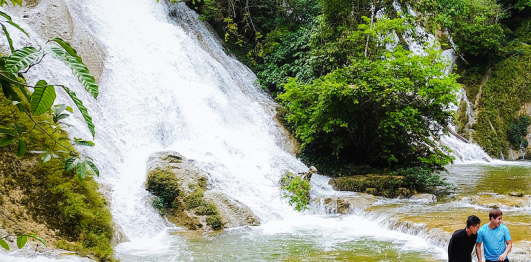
<point>386,109</point>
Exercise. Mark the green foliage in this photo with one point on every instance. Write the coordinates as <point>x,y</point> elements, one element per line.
<point>194,199</point>
<point>298,191</point>
<point>163,184</point>
<point>377,111</point>
<point>419,178</point>
<point>518,131</point>
<point>380,185</point>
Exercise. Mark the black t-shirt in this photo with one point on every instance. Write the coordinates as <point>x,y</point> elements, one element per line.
<point>461,246</point>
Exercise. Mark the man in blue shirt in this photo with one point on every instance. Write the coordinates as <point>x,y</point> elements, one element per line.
<point>494,236</point>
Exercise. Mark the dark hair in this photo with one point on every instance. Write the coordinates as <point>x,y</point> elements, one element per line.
<point>495,213</point>
<point>472,221</point>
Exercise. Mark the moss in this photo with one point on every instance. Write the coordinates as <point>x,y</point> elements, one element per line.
<point>206,209</point>
<point>73,209</point>
<point>214,221</point>
<point>195,199</point>
<point>381,185</point>
<point>163,184</point>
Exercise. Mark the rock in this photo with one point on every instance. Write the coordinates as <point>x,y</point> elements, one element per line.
<point>346,204</point>
<point>424,198</point>
<point>184,196</point>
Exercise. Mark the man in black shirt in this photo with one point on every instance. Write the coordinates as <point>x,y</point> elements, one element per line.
<point>463,241</point>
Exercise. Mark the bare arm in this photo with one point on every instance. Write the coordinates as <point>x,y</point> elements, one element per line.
<point>478,251</point>
<point>507,249</point>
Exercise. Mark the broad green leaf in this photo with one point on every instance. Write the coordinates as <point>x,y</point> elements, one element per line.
<point>82,109</point>
<point>81,170</point>
<point>62,139</point>
<point>4,131</point>
<point>42,98</point>
<point>46,157</point>
<point>6,141</point>
<point>8,90</point>
<point>71,163</point>
<point>69,109</point>
<point>21,149</point>
<point>21,241</point>
<point>38,238</point>
<point>79,69</point>
<point>18,128</point>
<point>93,167</point>
<point>22,58</point>
<point>8,38</point>
<point>4,244</point>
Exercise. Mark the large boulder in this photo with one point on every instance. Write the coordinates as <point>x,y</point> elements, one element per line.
<point>183,195</point>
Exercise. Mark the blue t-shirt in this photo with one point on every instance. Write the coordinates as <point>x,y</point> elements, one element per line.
<point>493,240</point>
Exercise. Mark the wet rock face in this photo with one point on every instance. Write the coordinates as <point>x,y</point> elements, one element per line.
<point>182,192</point>
<point>57,18</point>
<point>347,204</point>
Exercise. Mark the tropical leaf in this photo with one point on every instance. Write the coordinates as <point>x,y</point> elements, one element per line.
<point>22,58</point>
<point>63,138</point>
<point>18,128</point>
<point>8,90</point>
<point>4,131</point>
<point>69,109</point>
<point>71,163</point>
<point>21,241</point>
<point>4,244</point>
<point>6,141</point>
<point>46,157</point>
<point>42,98</point>
<point>79,69</point>
<point>82,109</point>
<point>81,170</point>
<point>21,149</point>
<point>38,238</point>
<point>71,51</point>
<point>93,167</point>
<point>8,38</point>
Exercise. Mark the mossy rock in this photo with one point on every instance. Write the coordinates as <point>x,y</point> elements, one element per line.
<point>187,201</point>
<point>380,185</point>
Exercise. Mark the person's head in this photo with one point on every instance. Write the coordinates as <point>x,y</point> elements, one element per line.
<point>472,224</point>
<point>495,217</point>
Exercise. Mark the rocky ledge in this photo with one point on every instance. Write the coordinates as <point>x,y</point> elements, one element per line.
<point>182,193</point>
<point>378,185</point>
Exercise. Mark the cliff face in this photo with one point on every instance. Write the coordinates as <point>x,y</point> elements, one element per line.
<point>498,96</point>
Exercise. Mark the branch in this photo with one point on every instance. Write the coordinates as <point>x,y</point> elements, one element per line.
<point>57,142</point>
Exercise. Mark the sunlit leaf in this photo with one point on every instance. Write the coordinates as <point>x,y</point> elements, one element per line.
<point>81,170</point>
<point>58,109</point>
<point>46,157</point>
<point>4,244</point>
<point>21,241</point>
<point>71,163</point>
<point>42,98</point>
<point>22,58</point>
<point>80,142</point>
<point>78,68</point>
<point>93,167</point>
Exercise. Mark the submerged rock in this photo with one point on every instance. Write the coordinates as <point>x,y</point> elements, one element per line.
<point>183,195</point>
